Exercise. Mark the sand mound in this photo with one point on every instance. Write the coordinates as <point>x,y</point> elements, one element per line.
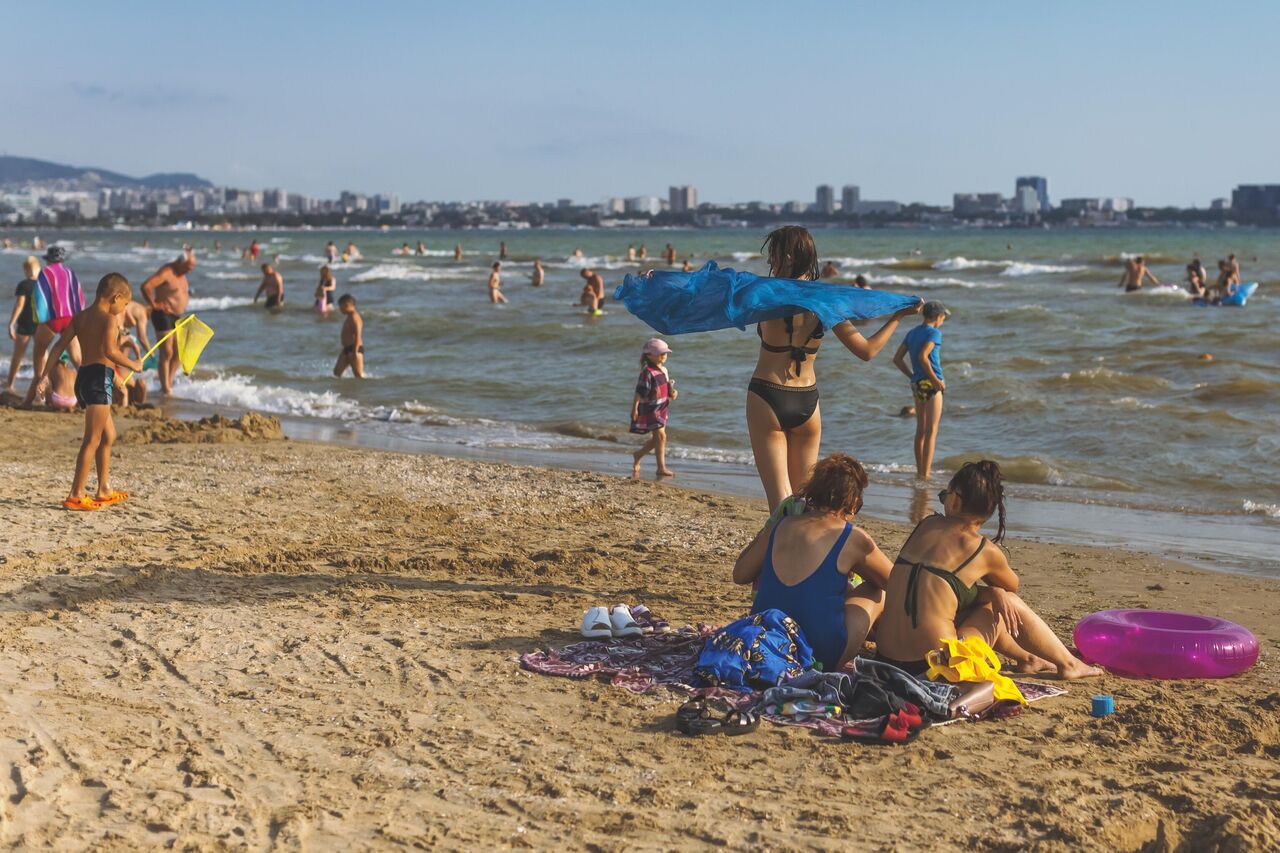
<point>213,429</point>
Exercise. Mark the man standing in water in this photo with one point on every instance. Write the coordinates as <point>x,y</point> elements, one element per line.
<point>273,286</point>
<point>331,252</point>
<point>593,291</point>
<point>669,254</point>
<point>502,250</point>
<point>166,293</point>
<point>1135,270</point>
<point>539,275</point>
<point>495,285</point>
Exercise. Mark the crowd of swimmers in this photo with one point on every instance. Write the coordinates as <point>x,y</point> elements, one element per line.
<point>1137,274</point>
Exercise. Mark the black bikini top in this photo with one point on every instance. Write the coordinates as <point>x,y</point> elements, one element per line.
<point>798,353</point>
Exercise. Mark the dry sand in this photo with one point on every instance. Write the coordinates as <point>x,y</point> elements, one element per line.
<point>282,644</point>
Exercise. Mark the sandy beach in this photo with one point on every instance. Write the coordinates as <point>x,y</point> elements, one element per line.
<point>279,644</point>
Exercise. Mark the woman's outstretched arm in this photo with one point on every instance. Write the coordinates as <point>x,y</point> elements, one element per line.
<point>868,348</point>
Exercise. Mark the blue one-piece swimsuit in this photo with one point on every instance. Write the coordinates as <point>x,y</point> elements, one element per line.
<point>816,603</point>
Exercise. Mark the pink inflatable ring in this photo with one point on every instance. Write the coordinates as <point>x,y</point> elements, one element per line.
<point>1165,644</point>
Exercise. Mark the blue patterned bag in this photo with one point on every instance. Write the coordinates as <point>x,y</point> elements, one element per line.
<point>760,650</point>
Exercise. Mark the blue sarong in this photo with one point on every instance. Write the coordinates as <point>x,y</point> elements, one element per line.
<point>675,303</point>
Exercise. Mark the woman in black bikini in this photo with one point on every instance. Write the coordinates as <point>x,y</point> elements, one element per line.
<point>783,418</point>
<point>925,604</point>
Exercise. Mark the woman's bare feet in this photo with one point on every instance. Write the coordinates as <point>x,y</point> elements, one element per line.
<point>635,468</point>
<point>664,472</point>
<point>1033,665</point>
<point>1074,669</point>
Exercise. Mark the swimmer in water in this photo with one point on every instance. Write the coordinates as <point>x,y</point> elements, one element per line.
<point>495,285</point>
<point>538,276</point>
<point>273,286</point>
<point>352,337</point>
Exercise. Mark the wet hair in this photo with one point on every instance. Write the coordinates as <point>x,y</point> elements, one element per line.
<point>326,274</point>
<point>860,280</point>
<point>346,299</point>
<point>979,486</point>
<point>791,253</point>
<point>497,265</point>
<point>31,266</point>
<point>113,284</point>
<point>266,267</point>
<point>1139,260</point>
<point>835,485</point>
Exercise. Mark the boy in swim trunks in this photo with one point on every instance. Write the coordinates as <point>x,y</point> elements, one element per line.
<point>98,329</point>
<point>922,344</point>
<point>352,339</point>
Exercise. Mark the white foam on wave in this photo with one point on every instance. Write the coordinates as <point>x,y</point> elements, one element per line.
<point>1164,291</point>
<point>600,262</point>
<point>217,303</point>
<point>865,262</point>
<point>959,262</point>
<point>233,276</point>
<point>234,390</point>
<point>1018,269</point>
<point>927,281</point>
<point>425,253</point>
<point>404,272</point>
<point>1256,508</point>
<point>746,256</point>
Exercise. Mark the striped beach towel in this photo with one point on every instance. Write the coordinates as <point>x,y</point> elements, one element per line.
<point>57,294</point>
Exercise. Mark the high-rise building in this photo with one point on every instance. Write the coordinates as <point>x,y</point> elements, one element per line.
<point>1027,200</point>
<point>1040,185</point>
<point>825,198</point>
<point>275,199</point>
<point>850,195</point>
<point>683,199</point>
<point>1256,197</point>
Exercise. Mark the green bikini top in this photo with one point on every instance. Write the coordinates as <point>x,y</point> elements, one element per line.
<point>966,596</point>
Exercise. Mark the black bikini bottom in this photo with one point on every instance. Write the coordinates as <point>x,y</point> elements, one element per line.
<point>791,406</point>
<point>912,667</point>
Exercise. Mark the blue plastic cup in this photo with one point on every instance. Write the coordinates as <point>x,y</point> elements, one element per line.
<point>1103,706</point>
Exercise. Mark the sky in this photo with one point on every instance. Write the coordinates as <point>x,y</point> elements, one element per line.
<point>1164,102</point>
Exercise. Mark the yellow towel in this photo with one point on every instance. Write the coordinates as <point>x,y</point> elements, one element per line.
<point>971,659</point>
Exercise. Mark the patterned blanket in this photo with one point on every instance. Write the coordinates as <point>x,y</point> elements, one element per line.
<point>665,661</point>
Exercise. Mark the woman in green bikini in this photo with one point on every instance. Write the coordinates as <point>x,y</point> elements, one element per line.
<point>933,591</point>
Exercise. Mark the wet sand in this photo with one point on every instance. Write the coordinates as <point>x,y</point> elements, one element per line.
<point>280,643</point>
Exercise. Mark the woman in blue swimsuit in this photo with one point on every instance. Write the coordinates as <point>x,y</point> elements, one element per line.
<point>834,614</point>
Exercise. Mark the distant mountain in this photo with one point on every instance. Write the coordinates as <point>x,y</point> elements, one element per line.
<point>27,170</point>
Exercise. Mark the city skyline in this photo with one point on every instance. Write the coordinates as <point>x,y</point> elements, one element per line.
<point>491,101</point>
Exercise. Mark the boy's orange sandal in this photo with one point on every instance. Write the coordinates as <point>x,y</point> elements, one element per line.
<point>116,497</point>
<point>83,504</point>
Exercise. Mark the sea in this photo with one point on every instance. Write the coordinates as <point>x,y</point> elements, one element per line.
<point>1133,421</point>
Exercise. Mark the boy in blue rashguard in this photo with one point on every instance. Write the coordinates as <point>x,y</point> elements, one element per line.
<point>925,372</point>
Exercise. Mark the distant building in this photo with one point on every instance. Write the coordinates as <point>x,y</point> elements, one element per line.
<point>647,204</point>
<point>1256,198</point>
<point>562,203</point>
<point>682,199</point>
<point>865,208</point>
<point>825,199</point>
<point>794,207</point>
<point>613,205</point>
<point>1220,204</point>
<point>1027,201</point>
<point>1041,187</point>
<point>850,195</point>
<point>978,204</point>
<point>275,199</point>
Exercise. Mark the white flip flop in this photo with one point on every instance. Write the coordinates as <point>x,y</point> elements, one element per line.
<point>623,623</point>
<point>596,624</point>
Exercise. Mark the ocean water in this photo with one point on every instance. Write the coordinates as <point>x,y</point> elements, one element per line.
<point>1087,396</point>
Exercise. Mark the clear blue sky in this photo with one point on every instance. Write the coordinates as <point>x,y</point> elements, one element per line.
<point>1167,102</point>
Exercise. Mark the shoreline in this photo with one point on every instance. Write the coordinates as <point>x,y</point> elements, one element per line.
<point>288,642</point>
<point>1231,543</point>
